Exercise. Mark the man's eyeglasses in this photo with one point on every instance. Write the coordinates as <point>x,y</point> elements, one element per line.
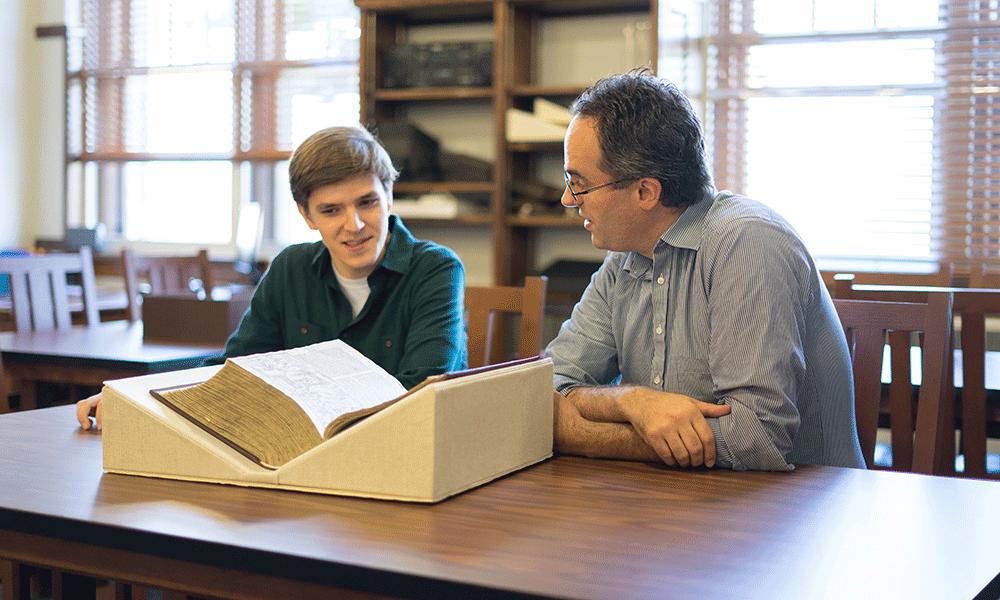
<point>576,195</point>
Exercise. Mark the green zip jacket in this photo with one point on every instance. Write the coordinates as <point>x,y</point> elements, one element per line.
<point>412,324</point>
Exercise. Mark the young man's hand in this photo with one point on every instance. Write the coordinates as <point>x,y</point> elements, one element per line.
<point>86,408</point>
<point>674,425</point>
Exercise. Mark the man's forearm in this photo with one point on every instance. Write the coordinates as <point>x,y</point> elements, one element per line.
<point>603,440</point>
<point>600,403</point>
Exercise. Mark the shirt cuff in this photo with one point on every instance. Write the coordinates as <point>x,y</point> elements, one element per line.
<point>752,446</point>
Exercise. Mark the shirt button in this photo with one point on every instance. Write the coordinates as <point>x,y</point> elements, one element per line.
<point>656,380</point>
<point>388,343</point>
<point>659,330</point>
<point>660,280</point>
<point>303,330</point>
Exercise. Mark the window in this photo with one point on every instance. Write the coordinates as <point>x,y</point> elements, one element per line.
<point>181,111</point>
<point>871,125</point>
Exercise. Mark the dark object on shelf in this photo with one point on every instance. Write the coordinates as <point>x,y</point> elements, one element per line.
<point>459,167</point>
<point>568,279</point>
<point>438,64</point>
<point>413,152</point>
<point>533,190</point>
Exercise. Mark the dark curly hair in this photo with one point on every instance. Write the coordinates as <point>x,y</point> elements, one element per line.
<point>647,128</point>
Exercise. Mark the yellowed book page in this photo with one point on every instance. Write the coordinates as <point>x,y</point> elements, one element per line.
<point>327,380</point>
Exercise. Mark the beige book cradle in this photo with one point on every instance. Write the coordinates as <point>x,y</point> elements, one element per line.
<point>441,440</point>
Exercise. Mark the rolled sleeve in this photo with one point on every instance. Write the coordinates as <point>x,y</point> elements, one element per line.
<point>756,348</point>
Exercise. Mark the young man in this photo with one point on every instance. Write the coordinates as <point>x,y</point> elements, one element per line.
<point>707,336</point>
<point>397,300</point>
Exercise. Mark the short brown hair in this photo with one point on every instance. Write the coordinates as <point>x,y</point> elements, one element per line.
<point>334,154</point>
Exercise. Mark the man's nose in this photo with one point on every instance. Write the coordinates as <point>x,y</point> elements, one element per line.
<point>567,198</point>
<point>354,222</point>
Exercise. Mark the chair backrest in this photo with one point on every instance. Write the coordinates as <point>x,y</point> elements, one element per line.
<point>923,447</point>
<point>40,296</point>
<point>984,275</point>
<point>165,275</point>
<point>483,304</point>
<point>839,282</point>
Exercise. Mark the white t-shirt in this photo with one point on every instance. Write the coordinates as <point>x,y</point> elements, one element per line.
<point>356,290</point>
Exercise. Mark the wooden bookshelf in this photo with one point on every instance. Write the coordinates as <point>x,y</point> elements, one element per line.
<point>516,32</point>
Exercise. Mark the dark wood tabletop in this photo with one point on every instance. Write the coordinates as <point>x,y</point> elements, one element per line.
<point>89,356</point>
<point>569,527</point>
<point>102,344</point>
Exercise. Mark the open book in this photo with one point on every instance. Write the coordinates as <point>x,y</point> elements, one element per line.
<point>272,407</point>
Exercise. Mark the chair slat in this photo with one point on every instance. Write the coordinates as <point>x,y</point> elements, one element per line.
<point>868,349</point>
<point>901,401</point>
<point>484,304</point>
<point>974,392</point>
<point>40,289</point>
<point>60,301</point>
<point>20,298</point>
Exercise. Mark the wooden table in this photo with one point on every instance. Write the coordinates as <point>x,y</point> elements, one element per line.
<point>568,527</point>
<point>85,355</point>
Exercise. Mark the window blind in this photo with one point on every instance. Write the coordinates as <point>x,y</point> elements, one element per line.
<point>870,125</point>
<point>171,102</point>
<point>969,186</point>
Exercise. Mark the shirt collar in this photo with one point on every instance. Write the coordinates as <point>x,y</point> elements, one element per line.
<point>397,256</point>
<point>686,232</point>
<point>688,229</point>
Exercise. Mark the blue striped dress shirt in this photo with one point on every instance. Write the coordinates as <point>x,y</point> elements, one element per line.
<point>730,309</point>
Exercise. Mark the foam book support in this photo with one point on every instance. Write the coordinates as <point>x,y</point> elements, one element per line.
<point>441,440</point>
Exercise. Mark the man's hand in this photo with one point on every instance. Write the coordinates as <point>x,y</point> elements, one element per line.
<point>87,407</point>
<point>673,425</point>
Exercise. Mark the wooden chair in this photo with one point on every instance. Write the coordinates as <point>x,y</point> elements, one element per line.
<point>40,296</point>
<point>40,300</point>
<point>972,305</point>
<point>483,304</point>
<point>164,274</point>
<point>839,282</point>
<point>922,445</point>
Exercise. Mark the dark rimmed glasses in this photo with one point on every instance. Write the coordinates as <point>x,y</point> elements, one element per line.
<point>576,195</point>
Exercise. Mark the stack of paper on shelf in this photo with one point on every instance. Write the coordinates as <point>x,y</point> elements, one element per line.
<point>547,123</point>
<point>452,433</point>
<point>437,205</point>
<point>557,114</point>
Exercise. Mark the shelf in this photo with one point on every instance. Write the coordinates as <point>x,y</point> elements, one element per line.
<point>554,8</point>
<point>455,187</point>
<point>535,147</point>
<point>461,221</point>
<point>437,93</point>
<point>431,11</point>
<point>547,90</point>
<point>545,221</point>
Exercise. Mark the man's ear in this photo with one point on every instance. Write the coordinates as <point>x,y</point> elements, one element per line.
<point>650,191</point>
<point>305,216</point>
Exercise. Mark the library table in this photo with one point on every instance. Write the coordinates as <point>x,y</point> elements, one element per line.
<point>569,527</point>
<point>90,355</point>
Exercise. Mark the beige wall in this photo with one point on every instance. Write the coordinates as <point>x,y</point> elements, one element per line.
<point>31,166</point>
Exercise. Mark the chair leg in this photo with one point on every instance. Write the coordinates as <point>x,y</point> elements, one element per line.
<point>14,580</point>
